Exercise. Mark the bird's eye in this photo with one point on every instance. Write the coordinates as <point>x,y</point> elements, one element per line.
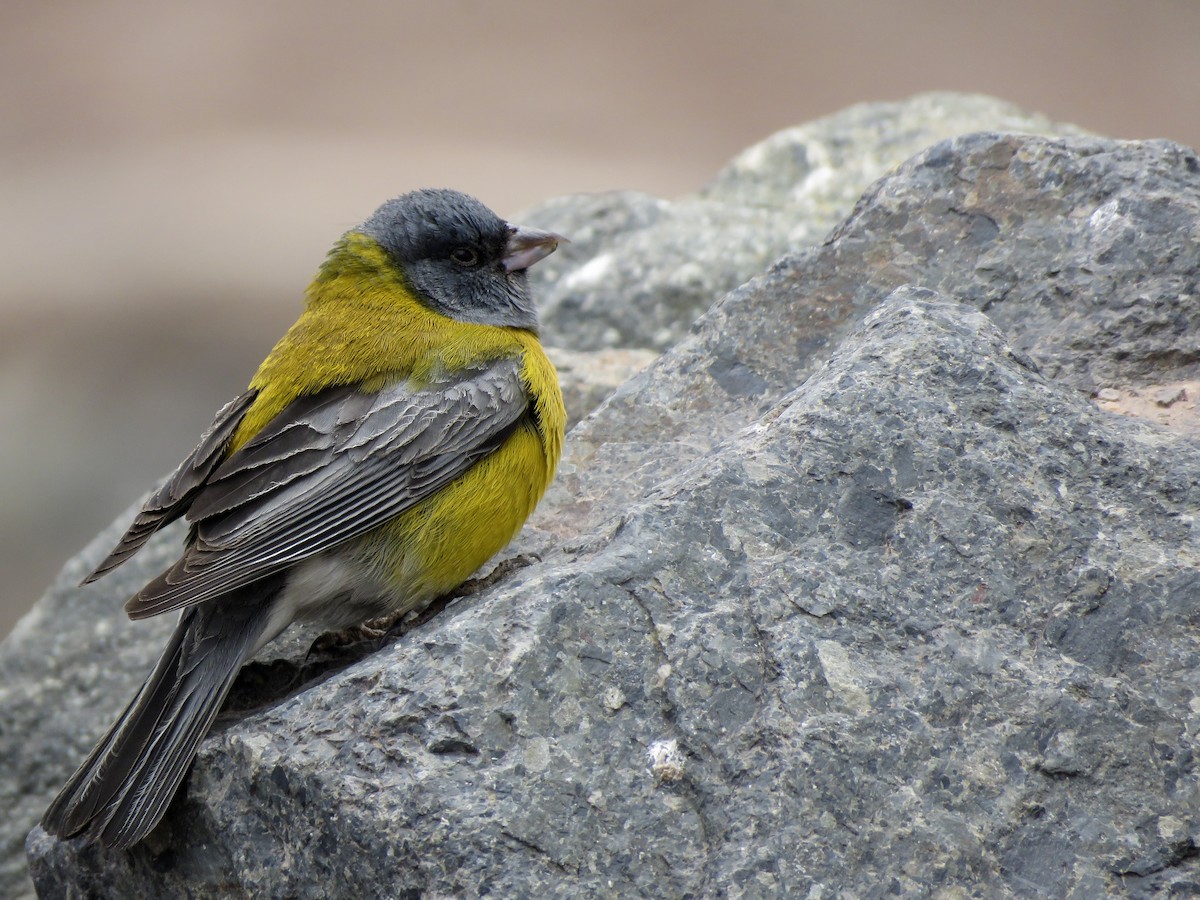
<point>464,256</point>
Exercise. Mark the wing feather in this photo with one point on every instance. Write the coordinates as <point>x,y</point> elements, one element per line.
<point>329,468</point>
<point>172,499</point>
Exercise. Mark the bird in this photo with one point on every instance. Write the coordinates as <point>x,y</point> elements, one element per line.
<point>394,440</point>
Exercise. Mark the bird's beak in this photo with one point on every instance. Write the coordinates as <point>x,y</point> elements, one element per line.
<point>527,245</point>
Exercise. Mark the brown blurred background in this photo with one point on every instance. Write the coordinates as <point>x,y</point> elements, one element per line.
<point>171,175</point>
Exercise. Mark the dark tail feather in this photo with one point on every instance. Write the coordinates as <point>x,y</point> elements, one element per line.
<point>123,788</point>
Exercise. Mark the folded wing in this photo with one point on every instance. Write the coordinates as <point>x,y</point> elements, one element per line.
<point>330,467</point>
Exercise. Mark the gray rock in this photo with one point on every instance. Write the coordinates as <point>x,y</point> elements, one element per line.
<point>639,270</point>
<point>588,377</point>
<point>864,642</point>
<point>840,594</point>
<point>1020,227</point>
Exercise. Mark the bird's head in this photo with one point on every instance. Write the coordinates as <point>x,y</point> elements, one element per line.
<point>459,257</point>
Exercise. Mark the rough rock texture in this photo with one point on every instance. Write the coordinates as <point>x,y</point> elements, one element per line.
<point>839,595</point>
<point>588,377</point>
<point>1084,251</point>
<point>639,270</point>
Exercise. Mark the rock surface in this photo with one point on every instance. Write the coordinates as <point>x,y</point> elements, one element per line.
<point>639,270</point>
<point>852,590</point>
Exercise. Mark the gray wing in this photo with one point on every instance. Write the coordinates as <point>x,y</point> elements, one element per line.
<point>329,468</point>
<point>175,495</point>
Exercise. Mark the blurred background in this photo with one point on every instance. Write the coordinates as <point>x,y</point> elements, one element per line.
<point>171,175</point>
